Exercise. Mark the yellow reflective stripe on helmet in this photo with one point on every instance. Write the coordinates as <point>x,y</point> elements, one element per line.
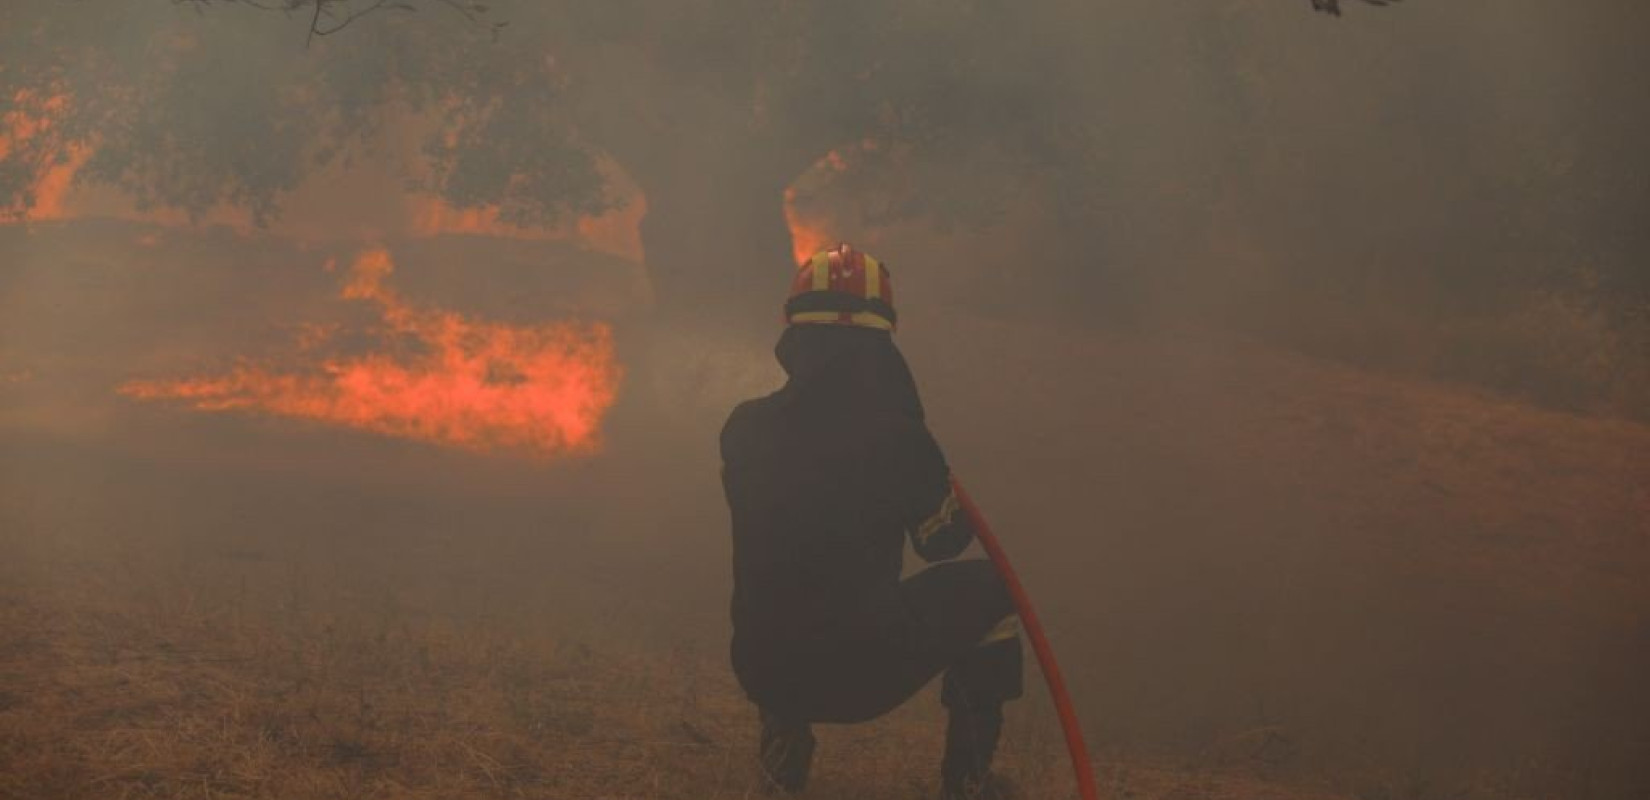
<point>822,271</point>
<point>862,319</point>
<point>873,279</point>
<point>866,319</point>
<point>1007,629</point>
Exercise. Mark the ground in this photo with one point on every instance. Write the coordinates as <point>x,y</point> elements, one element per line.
<point>1267,575</point>
<point>169,701</point>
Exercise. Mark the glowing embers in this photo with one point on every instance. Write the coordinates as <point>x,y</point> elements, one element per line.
<point>435,376</point>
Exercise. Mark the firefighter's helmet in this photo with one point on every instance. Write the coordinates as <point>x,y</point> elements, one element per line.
<point>842,286</point>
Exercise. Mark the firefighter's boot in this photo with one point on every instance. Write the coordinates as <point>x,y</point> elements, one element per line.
<point>787,752</point>
<point>970,743</point>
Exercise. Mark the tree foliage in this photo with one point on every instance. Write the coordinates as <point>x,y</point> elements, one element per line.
<point>195,103</point>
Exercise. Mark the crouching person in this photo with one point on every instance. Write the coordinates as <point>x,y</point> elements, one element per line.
<point>825,480</point>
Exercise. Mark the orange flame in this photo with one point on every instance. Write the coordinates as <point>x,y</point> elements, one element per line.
<point>33,117</point>
<point>29,118</point>
<point>53,183</point>
<point>616,232</point>
<point>430,216</point>
<point>337,202</point>
<point>479,386</point>
<point>809,234</point>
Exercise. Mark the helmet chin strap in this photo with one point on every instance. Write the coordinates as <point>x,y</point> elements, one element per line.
<point>1039,643</point>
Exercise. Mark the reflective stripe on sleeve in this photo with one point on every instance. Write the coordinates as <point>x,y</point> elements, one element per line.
<point>940,518</point>
<point>1008,628</point>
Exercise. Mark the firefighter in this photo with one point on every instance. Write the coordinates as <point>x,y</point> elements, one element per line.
<point>826,479</point>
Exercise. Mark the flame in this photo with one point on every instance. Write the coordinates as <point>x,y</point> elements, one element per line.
<point>34,117</point>
<point>29,118</point>
<point>430,216</point>
<point>807,236</point>
<point>479,386</point>
<point>339,202</point>
<point>809,233</point>
<point>52,186</point>
<point>616,232</point>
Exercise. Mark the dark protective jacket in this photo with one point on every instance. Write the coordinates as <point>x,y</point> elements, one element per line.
<point>825,479</point>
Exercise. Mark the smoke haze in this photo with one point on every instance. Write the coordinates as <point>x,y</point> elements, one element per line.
<point>1302,364</point>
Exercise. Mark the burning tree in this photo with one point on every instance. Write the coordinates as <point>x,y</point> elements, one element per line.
<point>712,108</point>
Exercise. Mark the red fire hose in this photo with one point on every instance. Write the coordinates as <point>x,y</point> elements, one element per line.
<point>1039,643</point>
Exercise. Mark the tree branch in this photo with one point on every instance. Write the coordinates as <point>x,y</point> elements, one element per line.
<point>471,10</point>
<point>1333,7</point>
<point>315,29</point>
<point>313,22</point>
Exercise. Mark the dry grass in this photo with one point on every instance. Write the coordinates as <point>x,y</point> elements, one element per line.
<point>126,679</point>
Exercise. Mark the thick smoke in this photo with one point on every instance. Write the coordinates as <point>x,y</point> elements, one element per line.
<point>1297,359</point>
